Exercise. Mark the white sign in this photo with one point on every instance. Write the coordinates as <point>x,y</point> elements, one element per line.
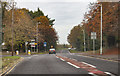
<point>32,44</point>
<point>45,44</point>
<point>26,43</point>
<point>93,35</point>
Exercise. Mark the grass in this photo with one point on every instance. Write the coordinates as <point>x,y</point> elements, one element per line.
<point>74,51</point>
<point>4,53</point>
<point>6,61</point>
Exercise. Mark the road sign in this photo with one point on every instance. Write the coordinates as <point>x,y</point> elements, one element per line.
<point>32,44</point>
<point>26,43</point>
<point>35,43</point>
<point>45,44</point>
<point>93,35</point>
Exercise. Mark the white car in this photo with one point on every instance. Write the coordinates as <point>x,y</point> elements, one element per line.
<point>52,51</point>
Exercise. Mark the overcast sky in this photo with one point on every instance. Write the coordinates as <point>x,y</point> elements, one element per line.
<point>67,13</point>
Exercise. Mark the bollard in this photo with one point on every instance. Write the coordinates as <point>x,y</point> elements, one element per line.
<point>29,53</point>
<point>17,52</point>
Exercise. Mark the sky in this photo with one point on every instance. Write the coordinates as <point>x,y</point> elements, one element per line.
<point>67,13</point>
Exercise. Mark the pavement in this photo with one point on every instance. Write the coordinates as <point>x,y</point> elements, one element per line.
<point>108,57</point>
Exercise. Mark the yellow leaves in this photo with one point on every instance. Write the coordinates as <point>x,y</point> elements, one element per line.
<point>43,20</point>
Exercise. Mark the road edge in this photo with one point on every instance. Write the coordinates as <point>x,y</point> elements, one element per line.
<point>12,67</point>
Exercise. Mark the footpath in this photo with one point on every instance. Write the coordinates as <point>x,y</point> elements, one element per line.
<point>107,57</point>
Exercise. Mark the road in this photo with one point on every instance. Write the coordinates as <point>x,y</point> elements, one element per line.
<point>64,63</point>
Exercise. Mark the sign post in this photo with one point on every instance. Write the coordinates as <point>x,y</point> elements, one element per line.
<point>93,37</point>
<point>26,43</point>
<point>32,45</point>
<point>45,45</point>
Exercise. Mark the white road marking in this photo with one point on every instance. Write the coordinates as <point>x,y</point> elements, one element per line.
<point>73,65</point>
<point>74,59</point>
<point>56,57</point>
<point>62,59</point>
<point>89,64</point>
<point>109,73</point>
<point>92,74</point>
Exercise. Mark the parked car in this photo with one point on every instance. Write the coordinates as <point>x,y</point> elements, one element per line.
<point>52,51</point>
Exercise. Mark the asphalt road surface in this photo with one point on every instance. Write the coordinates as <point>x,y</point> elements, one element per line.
<point>50,64</point>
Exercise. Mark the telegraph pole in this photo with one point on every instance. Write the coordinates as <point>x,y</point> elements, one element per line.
<point>0,27</point>
<point>37,35</point>
<point>13,5</point>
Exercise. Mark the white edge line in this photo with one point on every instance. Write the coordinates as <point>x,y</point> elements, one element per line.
<point>74,59</point>
<point>92,74</point>
<point>56,57</point>
<point>73,65</point>
<point>89,64</point>
<point>62,59</point>
<point>109,73</point>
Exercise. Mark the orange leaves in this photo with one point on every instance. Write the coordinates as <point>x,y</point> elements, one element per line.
<point>43,20</point>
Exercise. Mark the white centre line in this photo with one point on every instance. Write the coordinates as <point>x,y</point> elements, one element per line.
<point>109,73</point>
<point>73,65</point>
<point>89,64</point>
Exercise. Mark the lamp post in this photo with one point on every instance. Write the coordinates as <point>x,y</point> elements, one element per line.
<point>37,35</point>
<point>100,31</point>
<point>84,36</point>
<point>84,40</point>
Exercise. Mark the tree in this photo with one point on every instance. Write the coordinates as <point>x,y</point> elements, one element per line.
<point>75,37</point>
<point>23,28</point>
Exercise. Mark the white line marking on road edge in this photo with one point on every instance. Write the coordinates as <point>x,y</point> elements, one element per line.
<point>56,57</point>
<point>62,59</point>
<point>14,66</point>
<point>89,64</point>
<point>92,74</point>
<point>109,73</point>
<point>74,59</point>
<point>73,65</point>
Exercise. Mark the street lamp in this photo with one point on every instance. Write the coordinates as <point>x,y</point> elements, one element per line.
<point>101,30</point>
<point>84,40</point>
<point>84,37</point>
<point>37,34</point>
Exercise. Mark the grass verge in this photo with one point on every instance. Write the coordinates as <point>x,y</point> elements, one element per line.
<point>74,51</point>
<point>9,60</point>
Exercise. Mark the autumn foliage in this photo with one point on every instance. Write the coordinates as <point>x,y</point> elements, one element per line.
<point>25,28</point>
<point>92,23</point>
